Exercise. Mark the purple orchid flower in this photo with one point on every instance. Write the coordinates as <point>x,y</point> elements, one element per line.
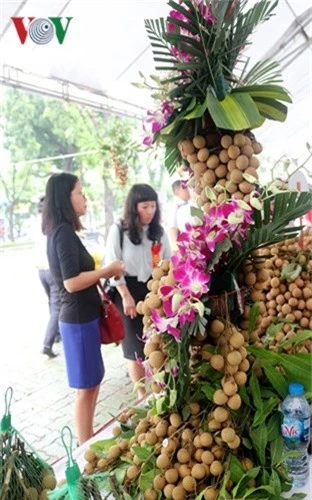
<point>166,325</point>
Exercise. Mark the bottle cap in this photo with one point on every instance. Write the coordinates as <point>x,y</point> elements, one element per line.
<point>296,389</point>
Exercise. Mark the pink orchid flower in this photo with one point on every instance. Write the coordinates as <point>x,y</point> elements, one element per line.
<point>166,325</point>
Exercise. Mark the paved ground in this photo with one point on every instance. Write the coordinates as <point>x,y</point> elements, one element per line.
<point>42,402</point>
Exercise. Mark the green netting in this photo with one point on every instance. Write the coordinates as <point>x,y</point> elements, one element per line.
<point>78,487</point>
<point>93,487</point>
<point>23,473</point>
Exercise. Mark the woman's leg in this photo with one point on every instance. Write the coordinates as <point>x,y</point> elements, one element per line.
<point>84,412</point>
<point>136,373</point>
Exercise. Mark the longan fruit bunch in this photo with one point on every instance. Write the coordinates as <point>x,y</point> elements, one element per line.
<point>229,169</point>
<point>161,275</point>
<point>121,170</point>
<point>280,299</point>
<point>189,458</point>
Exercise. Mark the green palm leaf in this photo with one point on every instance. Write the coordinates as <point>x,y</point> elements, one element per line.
<point>155,31</point>
<point>244,24</point>
<point>272,228</point>
<point>235,112</point>
<point>271,109</point>
<point>262,73</point>
<point>265,91</point>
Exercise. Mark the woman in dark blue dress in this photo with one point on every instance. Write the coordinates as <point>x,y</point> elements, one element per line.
<point>74,271</point>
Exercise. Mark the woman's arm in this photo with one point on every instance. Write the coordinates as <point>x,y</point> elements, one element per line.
<point>113,251</point>
<point>128,302</point>
<point>89,278</point>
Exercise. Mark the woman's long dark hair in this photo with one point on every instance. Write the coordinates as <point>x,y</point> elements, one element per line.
<point>131,220</point>
<point>57,206</point>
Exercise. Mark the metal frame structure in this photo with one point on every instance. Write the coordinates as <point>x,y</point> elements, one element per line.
<point>283,51</point>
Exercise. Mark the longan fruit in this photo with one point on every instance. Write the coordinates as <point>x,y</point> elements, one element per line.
<point>116,431</point>
<point>184,471</point>
<point>221,414</point>
<point>187,147</point>
<point>242,162</point>
<point>234,152</point>
<point>199,142</point>
<point>220,398</point>
<point>194,408</point>
<point>206,439</point>
<point>189,484</point>
<point>230,388</point>
<point>203,154</point>
<point>156,359</point>
<point>244,366</point>
<point>132,472</point>
<point>234,444</point>
<point>216,327</point>
<point>198,471</point>
<point>171,476</point>
<point>90,456</point>
<point>183,456</point>
<point>216,468</point>
<point>168,489</point>
<point>178,493</point>
<point>151,437</point>
<point>213,425</point>
<point>234,358</point>
<point>161,428</point>
<point>234,402</point>
<point>213,161</point>
<point>48,481</point>
<point>175,420</point>
<point>207,457</point>
<point>228,434</point>
<point>210,493</point>
<point>239,140</point>
<point>237,340</point>
<point>114,452</point>
<point>240,378</point>
<point>187,435</point>
<point>226,141</point>
<point>163,461</point>
<point>217,362</point>
<point>150,494</point>
<point>159,482</point>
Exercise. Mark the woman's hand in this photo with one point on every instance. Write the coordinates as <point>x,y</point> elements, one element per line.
<point>114,270</point>
<point>129,305</point>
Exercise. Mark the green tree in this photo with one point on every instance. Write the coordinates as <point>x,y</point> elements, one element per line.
<point>35,127</point>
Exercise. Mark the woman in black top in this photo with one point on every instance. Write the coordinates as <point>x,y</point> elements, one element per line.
<point>74,272</point>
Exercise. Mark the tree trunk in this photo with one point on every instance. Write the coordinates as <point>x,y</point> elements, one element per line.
<point>10,217</point>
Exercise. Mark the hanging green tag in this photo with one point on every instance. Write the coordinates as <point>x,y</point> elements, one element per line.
<point>5,423</point>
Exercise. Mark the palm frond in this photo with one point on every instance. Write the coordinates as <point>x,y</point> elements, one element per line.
<point>262,73</point>
<point>245,23</point>
<point>271,227</point>
<point>155,30</point>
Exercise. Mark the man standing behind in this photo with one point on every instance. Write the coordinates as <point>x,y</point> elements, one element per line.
<point>50,287</point>
<point>180,213</point>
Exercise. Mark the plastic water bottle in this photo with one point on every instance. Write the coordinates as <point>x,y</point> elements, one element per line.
<point>296,433</point>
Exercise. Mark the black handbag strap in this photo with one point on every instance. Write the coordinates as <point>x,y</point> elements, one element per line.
<point>121,233</point>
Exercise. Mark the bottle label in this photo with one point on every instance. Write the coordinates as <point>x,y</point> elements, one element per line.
<point>295,430</point>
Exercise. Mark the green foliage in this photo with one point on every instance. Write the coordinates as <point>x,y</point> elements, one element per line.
<point>271,224</point>
<point>202,58</point>
<point>36,127</point>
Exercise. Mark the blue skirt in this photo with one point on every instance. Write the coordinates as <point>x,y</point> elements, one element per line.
<point>82,349</point>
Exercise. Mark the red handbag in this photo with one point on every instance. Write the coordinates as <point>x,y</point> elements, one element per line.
<point>111,326</point>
